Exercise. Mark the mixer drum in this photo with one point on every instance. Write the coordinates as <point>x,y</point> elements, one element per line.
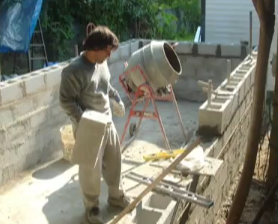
<point>158,61</point>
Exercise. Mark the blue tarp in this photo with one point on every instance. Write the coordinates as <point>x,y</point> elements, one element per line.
<point>17,24</point>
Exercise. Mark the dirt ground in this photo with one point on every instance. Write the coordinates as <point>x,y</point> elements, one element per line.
<point>256,194</point>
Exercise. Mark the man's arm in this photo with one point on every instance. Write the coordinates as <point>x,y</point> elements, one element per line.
<point>69,91</point>
<point>118,105</point>
<point>113,93</point>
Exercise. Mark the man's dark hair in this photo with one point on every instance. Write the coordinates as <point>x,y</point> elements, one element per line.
<point>99,38</point>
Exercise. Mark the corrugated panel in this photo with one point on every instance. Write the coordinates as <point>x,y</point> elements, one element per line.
<point>227,21</point>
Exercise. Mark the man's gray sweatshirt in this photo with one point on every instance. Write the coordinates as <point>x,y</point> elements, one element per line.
<point>85,85</point>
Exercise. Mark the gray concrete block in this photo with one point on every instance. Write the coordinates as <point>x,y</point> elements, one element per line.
<point>53,75</point>
<point>34,83</point>
<point>88,142</point>
<point>11,91</point>
<point>134,46</point>
<point>6,116</point>
<point>233,50</point>
<point>125,51</point>
<point>207,49</point>
<point>184,48</point>
<point>40,116</point>
<point>114,57</point>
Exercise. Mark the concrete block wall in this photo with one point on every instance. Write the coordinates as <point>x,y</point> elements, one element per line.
<point>203,62</point>
<point>219,112</point>
<point>29,120</point>
<point>30,116</point>
<point>230,147</point>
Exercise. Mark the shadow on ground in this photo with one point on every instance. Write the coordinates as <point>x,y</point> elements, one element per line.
<point>65,206</point>
<point>52,170</point>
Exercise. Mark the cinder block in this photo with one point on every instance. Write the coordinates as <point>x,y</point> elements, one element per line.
<point>125,52</point>
<point>210,118</point>
<point>207,49</point>
<point>147,216</point>
<point>88,142</point>
<point>233,50</point>
<point>11,92</point>
<point>184,48</point>
<point>53,76</point>
<point>33,158</point>
<point>116,69</point>
<point>39,117</point>
<point>6,116</point>
<point>35,83</point>
<point>9,158</point>
<point>134,46</point>
<point>114,57</point>
<point>158,201</point>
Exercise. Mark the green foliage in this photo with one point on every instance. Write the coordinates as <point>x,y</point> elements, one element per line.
<point>127,18</point>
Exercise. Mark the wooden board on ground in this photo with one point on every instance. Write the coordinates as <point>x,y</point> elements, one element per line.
<point>211,167</point>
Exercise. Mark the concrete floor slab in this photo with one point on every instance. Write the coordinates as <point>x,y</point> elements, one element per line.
<point>51,195</point>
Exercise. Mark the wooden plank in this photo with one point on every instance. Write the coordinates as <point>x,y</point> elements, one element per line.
<point>156,181</point>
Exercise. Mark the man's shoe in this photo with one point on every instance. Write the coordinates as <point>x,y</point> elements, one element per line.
<point>93,216</point>
<point>121,202</point>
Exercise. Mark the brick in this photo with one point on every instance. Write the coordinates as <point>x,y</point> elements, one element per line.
<point>11,92</point>
<point>116,69</point>
<point>6,116</point>
<point>9,158</point>
<point>211,118</point>
<point>22,107</point>
<point>207,49</point>
<point>134,46</point>
<point>114,57</point>
<point>40,116</point>
<point>17,130</point>
<point>184,48</point>
<point>53,76</point>
<point>35,83</point>
<point>233,50</point>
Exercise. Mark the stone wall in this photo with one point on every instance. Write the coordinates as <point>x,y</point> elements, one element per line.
<point>30,116</point>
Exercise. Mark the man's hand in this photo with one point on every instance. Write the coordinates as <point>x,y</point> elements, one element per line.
<point>118,108</point>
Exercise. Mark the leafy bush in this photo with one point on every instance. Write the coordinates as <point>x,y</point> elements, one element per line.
<point>127,18</point>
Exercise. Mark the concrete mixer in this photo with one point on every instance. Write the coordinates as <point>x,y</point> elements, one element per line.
<point>148,77</point>
<point>159,63</point>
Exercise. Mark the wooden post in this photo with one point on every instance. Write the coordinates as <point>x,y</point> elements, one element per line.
<point>251,32</point>
<point>272,173</point>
